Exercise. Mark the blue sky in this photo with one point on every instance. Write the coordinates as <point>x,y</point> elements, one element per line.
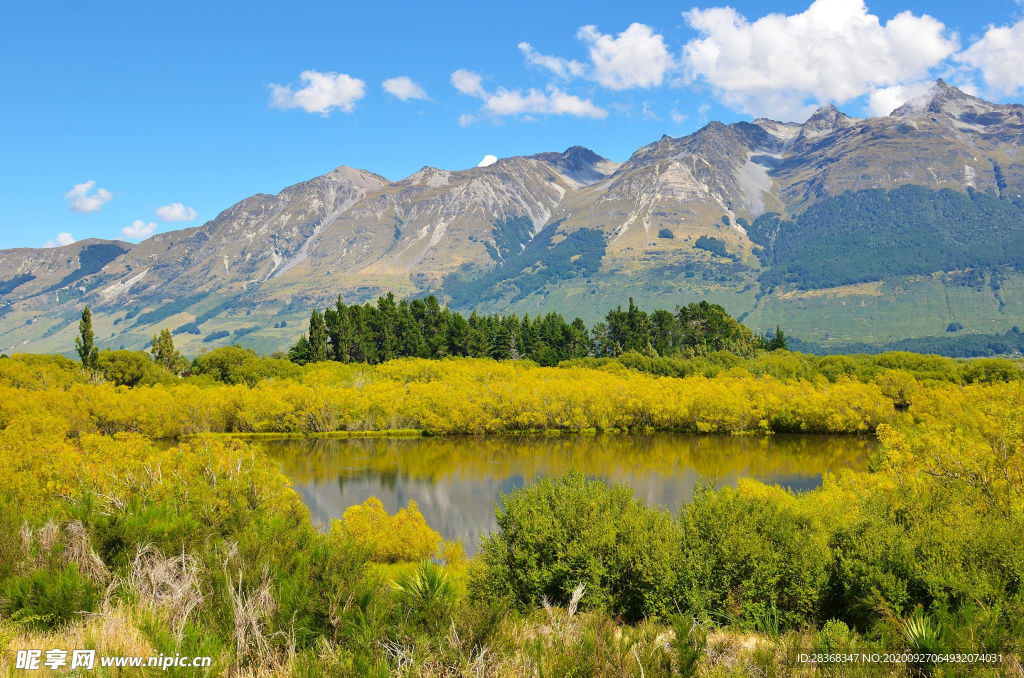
<point>117,119</point>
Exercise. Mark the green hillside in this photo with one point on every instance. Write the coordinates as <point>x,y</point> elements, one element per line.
<point>873,235</point>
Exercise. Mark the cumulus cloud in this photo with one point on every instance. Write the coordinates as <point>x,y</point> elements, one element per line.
<point>175,212</point>
<point>562,68</point>
<point>782,65</point>
<point>321,93</point>
<point>554,102</point>
<point>638,57</point>
<point>886,100</point>
<point>404,88</point>
<point>488,161</point>
<point>998,55</point>
<point>61,240</point>
<point>515,102</point>
<point>82,199</point>
<point>469,83</point>
<point>139,230</point>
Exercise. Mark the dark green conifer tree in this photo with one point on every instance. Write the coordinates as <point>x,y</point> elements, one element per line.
<point>89,354</point>
<point>778,341</point>
<point>300,353</point>
<point>317,337</point>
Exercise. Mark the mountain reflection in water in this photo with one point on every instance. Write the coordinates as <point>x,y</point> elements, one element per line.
<point>458,481</point>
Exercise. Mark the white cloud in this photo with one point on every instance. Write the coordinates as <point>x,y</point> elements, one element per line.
<point>61,240</point>
<point>139,230</point>
<point>488,161</point>
<point>175,212</point>
<point>648,113</point>
<point>321,93</point>
<point>469,83</point>
<point>80,200</point>
<point>834,51</point>
<point>886,100</point>
<point>562,68</point>
<point>404,88</point>
<point>998,55</point>
<point>555,102</point>
<point>636,58</point>
<point>515,102</point>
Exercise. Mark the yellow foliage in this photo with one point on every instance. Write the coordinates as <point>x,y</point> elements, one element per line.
<point>970,437</point>
<point>404,536</point>
<point>898,385</point>
<point>460,396</point>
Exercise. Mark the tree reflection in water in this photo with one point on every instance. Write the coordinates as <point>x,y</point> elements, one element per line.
<point>458,480</point>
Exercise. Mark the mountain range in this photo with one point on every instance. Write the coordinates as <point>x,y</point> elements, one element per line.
<point>841,230</point>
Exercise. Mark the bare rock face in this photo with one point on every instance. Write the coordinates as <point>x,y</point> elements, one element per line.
<point>356,233</point>
<point>825,121</point>
<point>245,245</point>
<point>579,166</point>
<point>39,274</point>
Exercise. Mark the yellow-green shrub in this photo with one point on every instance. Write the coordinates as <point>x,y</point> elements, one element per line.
<point>402,537</point>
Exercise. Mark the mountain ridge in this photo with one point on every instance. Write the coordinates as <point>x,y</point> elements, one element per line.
<point>356,233</point>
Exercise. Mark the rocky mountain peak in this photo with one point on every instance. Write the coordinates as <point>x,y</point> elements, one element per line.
<point>945,99</point>
<point>363,179</point>
<point>784,132</point>
<point>429,176</point>
<point>824,121</point>
<point>579,166</point>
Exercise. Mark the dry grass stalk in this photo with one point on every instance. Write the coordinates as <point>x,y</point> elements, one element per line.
<point>112,631</point>
<point>38,544</point>
<point>169,586</point>
<point>252,608</point>
<point>556,625</point>
<point>723,650</point>
<point>78,550</point>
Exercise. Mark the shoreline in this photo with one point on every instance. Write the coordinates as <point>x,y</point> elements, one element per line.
<point>549,433</point>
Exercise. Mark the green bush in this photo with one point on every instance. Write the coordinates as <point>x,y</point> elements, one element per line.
<point>237,365</point>
<point>921,366</point>
<point>898,385</point>
<point>990,370</point>
<point>922,549</point>
<point>835,366</point>
<point>560,532</point>
<point>132,368</point>
<point>744,557</point>
<point>47,598</point>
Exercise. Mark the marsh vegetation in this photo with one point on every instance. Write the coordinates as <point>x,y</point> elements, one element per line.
<point>133,522</point>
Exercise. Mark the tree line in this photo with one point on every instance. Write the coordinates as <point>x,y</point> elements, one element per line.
<point>422,328</point>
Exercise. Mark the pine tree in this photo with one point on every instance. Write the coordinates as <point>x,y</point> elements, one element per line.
<point>299,353</point>
<point>89,354</point>
<point>164,352</point>
<point>779,341</point>
<point>317,338</point>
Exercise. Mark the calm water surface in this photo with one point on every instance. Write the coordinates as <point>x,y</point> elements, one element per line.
<point>458,481</point>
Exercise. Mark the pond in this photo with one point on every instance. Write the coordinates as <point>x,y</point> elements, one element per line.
<point>458,481</point>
